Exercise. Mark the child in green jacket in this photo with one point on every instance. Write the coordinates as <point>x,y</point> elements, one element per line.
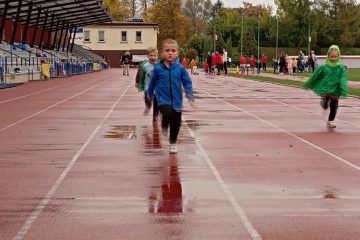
<point>330,82</point>
<point>143,78</point>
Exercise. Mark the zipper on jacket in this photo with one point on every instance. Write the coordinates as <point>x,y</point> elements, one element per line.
<point>171,97</point>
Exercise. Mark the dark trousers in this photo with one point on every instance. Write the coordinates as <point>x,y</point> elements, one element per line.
<point>328,101</point>
<point>333,109</point>
<point>225,67</point>
<point>154,104</point>
<point>171,118</point>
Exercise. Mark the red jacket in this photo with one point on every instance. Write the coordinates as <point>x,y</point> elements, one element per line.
<point>242,60</point>
<point>264,59</point>
<point>252,62</point>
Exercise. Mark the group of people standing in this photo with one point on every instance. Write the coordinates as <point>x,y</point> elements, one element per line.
<point>216,62</point>
<point>285,64</point>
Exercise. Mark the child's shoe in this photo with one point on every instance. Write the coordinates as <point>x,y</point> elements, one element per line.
<point>330,124</point>
<point>173,149</point>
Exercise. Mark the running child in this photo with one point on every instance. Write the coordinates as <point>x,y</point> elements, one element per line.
<point>330,82</point>
<point>143,78</point>
<point>167,82</point>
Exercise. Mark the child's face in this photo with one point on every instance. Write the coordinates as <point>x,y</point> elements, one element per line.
<point>333,56</point>
<point>170,52</point>
<point>152,57</point>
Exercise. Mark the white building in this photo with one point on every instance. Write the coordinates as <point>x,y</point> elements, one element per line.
<point>111,40</point>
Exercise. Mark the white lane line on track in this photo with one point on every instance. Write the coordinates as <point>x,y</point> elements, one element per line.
<point>306,110</point>
<point>51,106</point>
<point>236,206</point>
<point>37,211</point>
<point>289,133</point>
<point>34,93</point>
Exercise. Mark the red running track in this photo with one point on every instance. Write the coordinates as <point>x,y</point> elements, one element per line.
<point>79,161</point>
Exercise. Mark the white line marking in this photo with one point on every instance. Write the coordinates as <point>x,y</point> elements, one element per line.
<point>37,211</point>
<point>45,109</point>
<point>34,93</point>
<point>306,110</point>
<point>236,206</point>
<point>289,133</point>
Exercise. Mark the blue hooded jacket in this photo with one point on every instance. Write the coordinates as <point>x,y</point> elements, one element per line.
<point>166,83</point>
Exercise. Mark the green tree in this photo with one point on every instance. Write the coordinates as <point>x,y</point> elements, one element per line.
<point>202,44</point>
<point>249,43</point>
<point>198,12</point>
<point>191,54</point>
<point>217,8</point>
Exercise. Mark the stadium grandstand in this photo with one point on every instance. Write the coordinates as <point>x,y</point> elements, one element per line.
<point>36,40</point>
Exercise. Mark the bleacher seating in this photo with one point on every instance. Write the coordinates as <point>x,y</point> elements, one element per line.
<point>21,59</point>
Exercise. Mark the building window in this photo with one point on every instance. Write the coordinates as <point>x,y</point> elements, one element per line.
<point>123,36</point>
<point>138,36</point>
<point>101,36</point>
<point>86,36</point>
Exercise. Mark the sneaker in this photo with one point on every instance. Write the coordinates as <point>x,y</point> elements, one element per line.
<point>173,149</point>
<point>330,124</point>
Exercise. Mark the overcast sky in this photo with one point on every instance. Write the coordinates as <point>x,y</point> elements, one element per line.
<point>239,3</point>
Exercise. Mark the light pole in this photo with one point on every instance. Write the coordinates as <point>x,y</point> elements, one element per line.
<point>242,30</point>
<point>309,41</point>
<point>277,36</point>
<point>309,37</point>
<point>215,38</point>
<point>258,55</point>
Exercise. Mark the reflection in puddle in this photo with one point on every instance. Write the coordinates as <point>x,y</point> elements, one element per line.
<point>122,132</point>
<point>195,124</point>
<point>151,136</point>
<point>170,200</point>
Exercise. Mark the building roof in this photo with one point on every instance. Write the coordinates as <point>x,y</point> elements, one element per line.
<point>130,23</point>
<point>68,12</point>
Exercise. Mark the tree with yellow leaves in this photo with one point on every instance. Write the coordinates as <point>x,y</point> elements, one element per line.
<point>118,10</point>
<point>172,22</point>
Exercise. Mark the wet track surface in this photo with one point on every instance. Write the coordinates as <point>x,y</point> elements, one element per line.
<point>80,161</point>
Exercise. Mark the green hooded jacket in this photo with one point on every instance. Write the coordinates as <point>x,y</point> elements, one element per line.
<point>330,78</point>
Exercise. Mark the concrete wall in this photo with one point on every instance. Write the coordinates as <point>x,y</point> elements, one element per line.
<point>349,61</point>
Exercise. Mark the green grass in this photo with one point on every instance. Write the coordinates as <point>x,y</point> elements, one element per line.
<point>293,83</point>
<point>354,74</point>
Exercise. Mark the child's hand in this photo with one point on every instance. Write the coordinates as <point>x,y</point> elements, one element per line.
<point>192,104</point>
<point>146,111</point>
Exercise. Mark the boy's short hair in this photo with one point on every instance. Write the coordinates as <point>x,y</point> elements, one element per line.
<point>151,50</point>
<point>169,41</point>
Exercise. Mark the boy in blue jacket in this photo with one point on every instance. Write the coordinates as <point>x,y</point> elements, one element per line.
<point>166,83</point>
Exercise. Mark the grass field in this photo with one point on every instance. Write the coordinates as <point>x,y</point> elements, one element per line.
<point>355,73</point>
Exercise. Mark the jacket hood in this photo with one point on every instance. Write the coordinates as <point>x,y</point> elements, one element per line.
<point>328,61</point>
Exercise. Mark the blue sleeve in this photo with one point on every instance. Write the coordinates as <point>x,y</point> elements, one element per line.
<point>152,83</point>
<point>187,84</point>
